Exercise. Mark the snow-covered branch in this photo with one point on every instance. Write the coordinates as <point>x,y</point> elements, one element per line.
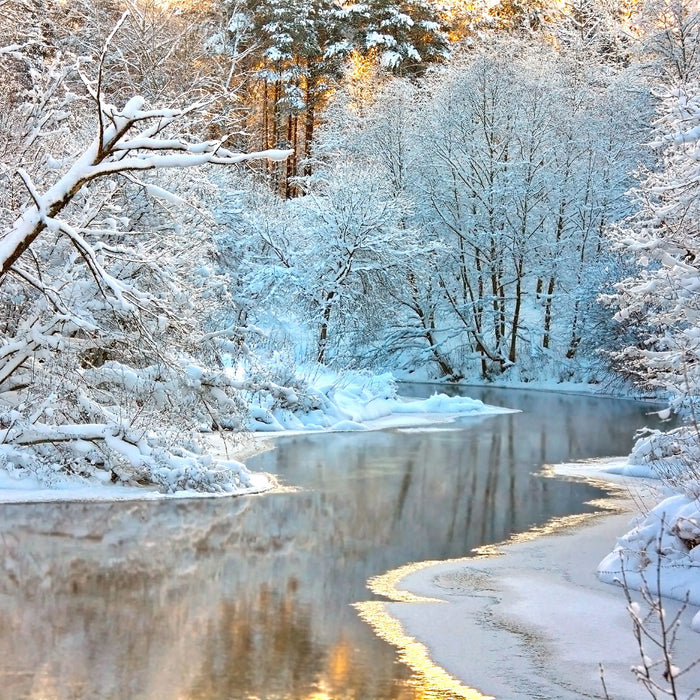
<point>115,152</point>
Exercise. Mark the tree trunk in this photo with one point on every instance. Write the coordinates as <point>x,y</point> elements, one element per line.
<point>290,165</point>
<point>548,312</point>
<point>442,362</point>
<point>552,280</point>
<point>495,286</point>
<point>516,311</point>
<point>323,334</point>
<point>308,134</point>
<point>266,118</point>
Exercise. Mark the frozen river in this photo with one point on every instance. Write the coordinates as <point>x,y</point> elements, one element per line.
<point>252,597</point>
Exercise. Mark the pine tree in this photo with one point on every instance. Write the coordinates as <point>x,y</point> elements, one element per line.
<point>405,36</point>
<point>300,52</point>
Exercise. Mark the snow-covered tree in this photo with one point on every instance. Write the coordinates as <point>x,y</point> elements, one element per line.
<point>109,352</point>
<point>515,162</point>
<point>299,55</point>
<point>322,272</point>
<point>596,29</point>
<point>669,39</point>
<point>356,253</point>
<point>522,16</point>
<point>521,172</point>
<point>406,36</point>
<point>661,301</point>
<point>299,52</point>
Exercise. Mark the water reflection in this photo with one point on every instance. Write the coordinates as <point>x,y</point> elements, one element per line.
<point>250,597</point>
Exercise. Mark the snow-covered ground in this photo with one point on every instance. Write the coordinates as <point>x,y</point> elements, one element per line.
<point>30,490</point>
<point>608,387</point>
<point>334,403</point>
<point>357,401</point>
<point>536,621</point>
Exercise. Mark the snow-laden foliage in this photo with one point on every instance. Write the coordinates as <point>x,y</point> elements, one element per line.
<point>669,39</point>
<point>115,320</point>
<point>507,171</point>
<point>661,300</point>
<point>298,53</point>
<point>597,30</point>
<point>671,456</point>
<point>661,303</point>
<point>321,274</point>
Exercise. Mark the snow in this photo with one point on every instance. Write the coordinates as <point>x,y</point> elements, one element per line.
<point>625,468</point>
<point>663,542</point>
<point>612,389</point>
<point>359,401</point>
<point>29,490</point>
<point>376,39</point>
<point>353,401</point>
<point>166,196</point>
<point>347,425</point>
<point>534,621</point>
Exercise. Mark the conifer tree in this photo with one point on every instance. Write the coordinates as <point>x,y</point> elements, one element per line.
<point>299,54</point>
<point>406,36</point>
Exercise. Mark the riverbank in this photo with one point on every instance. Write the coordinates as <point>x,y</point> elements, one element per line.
<point>533,621</point>
<point>351,407</point>
<point>99,488</point>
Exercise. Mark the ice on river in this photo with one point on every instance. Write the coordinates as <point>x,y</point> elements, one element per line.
<point>536,621</point>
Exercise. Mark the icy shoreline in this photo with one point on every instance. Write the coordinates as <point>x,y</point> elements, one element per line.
<point>534,621</point>
<point>352,408</point>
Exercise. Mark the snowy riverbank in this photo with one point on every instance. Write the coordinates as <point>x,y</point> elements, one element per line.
<point>333,403</point>
<point>535,621</point>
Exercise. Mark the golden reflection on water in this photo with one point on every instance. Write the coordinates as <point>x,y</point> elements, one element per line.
<point>432,681</point>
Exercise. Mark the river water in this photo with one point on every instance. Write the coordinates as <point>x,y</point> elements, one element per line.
<point>252,597</point>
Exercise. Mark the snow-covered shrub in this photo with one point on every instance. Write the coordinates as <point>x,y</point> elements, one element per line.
<point>661,553</point>
<point>673,456</point>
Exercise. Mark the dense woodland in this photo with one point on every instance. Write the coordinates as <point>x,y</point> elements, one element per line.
<point>199,197</point>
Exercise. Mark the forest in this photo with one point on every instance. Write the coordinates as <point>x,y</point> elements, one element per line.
<point>204,204</point>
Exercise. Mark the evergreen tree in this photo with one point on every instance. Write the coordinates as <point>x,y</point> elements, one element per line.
<point>405,36</point>
<point>300,53</point>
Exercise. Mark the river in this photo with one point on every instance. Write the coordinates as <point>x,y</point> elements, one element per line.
<point>252,597</point>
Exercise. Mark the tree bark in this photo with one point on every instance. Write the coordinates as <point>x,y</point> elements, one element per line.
<point>516,312</point>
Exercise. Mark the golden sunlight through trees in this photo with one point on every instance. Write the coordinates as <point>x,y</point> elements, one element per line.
<point>362,80</point>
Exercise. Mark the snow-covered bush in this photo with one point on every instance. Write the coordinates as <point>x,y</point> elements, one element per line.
<point>661,552</point>
<point>672,456</point>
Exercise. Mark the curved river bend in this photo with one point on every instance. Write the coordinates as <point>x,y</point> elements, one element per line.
<point>252,597</point>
